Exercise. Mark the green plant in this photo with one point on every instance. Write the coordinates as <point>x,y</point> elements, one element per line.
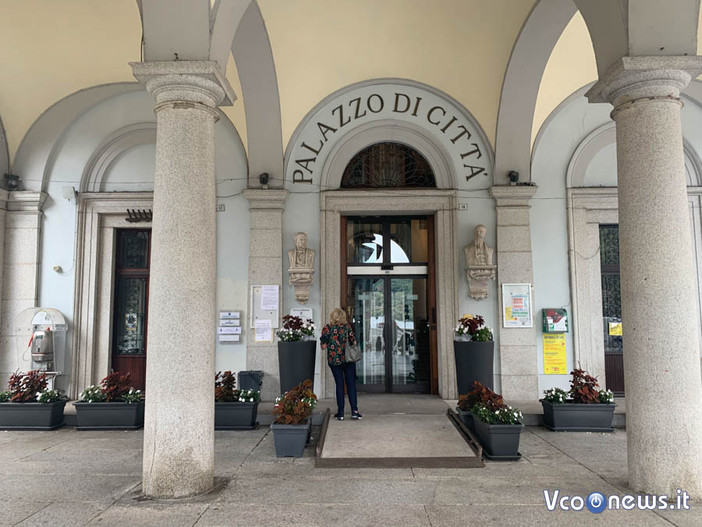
<point>4,397</point>
<point>505,415</point>
<point>473,326</point>
<point>555,395</point>
<point>480,394</point>
<point>92,394</point>
<point>584,387</point>
<point>133,396</point>
<point>115,385</point>
<point>225,387</point>
<point>606,397</point>
<point>24,387</point>
<point>294,328</point>
<point>295,406</point>
<point>249,396</point>
<point>48,396</point>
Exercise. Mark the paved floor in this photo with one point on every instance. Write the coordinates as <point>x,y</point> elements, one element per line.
<point>69,478</point>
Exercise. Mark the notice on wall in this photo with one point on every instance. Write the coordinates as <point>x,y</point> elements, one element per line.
<point>264,332</point>
<point>269,297</point>
<point>615,329</point>
<point>555,354</point>
<point>516,302</point>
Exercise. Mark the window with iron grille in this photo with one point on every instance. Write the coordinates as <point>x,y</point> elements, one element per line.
<point>388,165</point>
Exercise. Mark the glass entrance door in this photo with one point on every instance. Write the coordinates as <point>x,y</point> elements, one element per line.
<point>387,298</point>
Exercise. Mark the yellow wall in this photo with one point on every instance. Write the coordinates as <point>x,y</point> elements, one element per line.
<point>570,67</point>
<point>458,46</point>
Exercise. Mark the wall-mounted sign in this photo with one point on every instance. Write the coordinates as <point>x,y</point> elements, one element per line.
<point>388,100</point>
<point>516,306</point>
<point>555,354</point>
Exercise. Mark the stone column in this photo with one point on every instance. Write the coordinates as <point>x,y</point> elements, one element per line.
<point>266,268</point>
<point>658,284</point>
<point>519,373</point>
<point>179,420</point>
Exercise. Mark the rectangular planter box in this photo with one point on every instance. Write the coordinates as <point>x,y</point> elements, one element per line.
<point>109,416</point>
<point>499,441</point>
<point>466,417</point>
<point>577,417</point>
<point>235,415</point>
<point>290,440</point>
<point>31,416</point>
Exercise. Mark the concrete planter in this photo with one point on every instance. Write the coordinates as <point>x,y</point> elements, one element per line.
<point>578,417</point>
<point>499,441</point>
<point>296,362</point>
<point>474,362</point>
<point>114,415</point>
<point>235,415</point>
<point>290,440</point>
<point>31,416</point>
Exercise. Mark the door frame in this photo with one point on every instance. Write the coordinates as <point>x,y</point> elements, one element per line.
<point>443,205</point>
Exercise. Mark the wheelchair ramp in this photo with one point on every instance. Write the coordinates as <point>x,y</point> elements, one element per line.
<point>394,441</point>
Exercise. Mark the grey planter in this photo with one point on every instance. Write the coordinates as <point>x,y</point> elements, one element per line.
<point>115,415</point>
<point>474,362</point>
<point>466,417</point>
<point>296,362</point>
<point>499,441</point>
<point>290,440</point>
<point>235,415</point>
<point>31,416</point>
<point>578,417</point>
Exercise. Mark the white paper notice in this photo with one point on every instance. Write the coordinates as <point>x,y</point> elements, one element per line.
<point>269,298</point>
<point>263,330</point>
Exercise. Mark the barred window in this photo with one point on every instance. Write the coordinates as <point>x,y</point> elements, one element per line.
<point>388,165</point>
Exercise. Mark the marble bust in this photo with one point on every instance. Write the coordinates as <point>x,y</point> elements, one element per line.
<point>479,264</point>
<point>301,267</point>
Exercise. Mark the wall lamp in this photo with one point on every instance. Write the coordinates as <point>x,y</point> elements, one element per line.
<point>513,177</point>
<point>263,179</point>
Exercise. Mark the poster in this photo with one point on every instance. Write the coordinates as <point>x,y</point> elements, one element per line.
<point>555,354</point>
<point>615,329</point>
<point>263,331</point>
<point>269,297</point>
<point>516,305</point>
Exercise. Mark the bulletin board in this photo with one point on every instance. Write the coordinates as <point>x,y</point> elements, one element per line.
<point>264,302</point>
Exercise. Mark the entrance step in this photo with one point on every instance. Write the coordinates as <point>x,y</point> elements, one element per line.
<point>394,441</point>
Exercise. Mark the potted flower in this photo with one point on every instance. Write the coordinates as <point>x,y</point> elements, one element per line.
<point>479,393</point>
<point>29,405</point>
<point>292,424</point>
<point>584,408</point>
<point>234,409</point>
<point>114,405</point>
<point>474,351</point>
<point>297,350</point>
<point>497,426</point>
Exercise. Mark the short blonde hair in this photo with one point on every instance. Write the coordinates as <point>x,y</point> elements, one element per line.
<point>338,317</point>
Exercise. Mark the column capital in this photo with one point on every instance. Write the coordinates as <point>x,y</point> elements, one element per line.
<point>631,78</point>
<point>198,81</point>
<point>26,200</point>
<point>513,195</point>
<point>259,198</point>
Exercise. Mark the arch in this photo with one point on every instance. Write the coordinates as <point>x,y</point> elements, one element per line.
<point>110,149</point>
<point>4,152</point>
<point>520,88</point>
<point>388,130</point>
<point>38,149</point>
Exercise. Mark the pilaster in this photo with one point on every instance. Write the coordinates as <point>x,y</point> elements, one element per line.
<point>517,346</point>
<point>265,268</point>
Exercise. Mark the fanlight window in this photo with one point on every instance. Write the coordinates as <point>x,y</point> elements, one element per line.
<point>388,165</point>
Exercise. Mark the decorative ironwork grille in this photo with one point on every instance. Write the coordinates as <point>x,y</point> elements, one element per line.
<point>388,165</point>
<point>611,292</point>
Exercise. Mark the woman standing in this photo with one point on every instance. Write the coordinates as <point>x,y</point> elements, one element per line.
<point>333,340</point>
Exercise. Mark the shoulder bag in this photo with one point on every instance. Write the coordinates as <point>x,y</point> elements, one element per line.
<point>352,352</point>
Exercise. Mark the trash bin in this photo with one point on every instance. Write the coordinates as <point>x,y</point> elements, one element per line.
<point>250,380</point>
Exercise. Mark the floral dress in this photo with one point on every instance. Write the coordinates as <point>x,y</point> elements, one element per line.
<point>335,338</point>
